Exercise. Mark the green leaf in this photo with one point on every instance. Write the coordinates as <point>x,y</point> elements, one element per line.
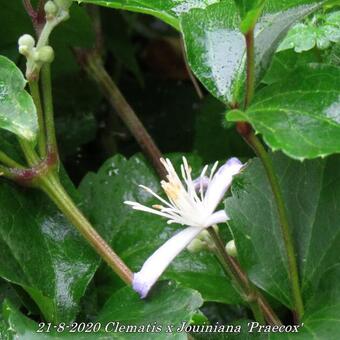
<point>166,10</point>
<point>216,48</point>
<point>311,191</point>
<point>299,115</point>
<point>43,253</point>
<point>17,111</point>
<point>136,235</point>
<point>321,31</point>
<point>168,304</point>
<point>18,326</point>
<point>321,318</point>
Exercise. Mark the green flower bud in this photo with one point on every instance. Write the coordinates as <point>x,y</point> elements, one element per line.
<point>231,248</point>
<point>50,8</point>
<point>27,41</point>
<point>45,54</point>
<point>24,50</point>
<point>196,245</point>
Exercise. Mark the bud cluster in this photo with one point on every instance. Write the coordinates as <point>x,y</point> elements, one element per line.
<point>41,55</point>
<point>202,242</point>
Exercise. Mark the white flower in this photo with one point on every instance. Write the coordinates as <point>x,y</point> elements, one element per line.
<point>192,204</point>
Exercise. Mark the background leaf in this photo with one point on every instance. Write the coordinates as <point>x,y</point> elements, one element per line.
<point>320,31</point>
<point>215,139</point>
<point>311,191</point>
<point>299,115</point>
<point>168,304</point>
<point>320,320</point>
<point>43,253</point>
<point>17,111</point>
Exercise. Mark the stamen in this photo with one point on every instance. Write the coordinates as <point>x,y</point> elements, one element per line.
<point>155,195</point>
<point>213,171</point>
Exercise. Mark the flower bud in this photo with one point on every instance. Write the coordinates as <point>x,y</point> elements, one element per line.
<point>24,50</point>
<point>231,248</point>
<point>51,9</point>
<point>196,245</point>
<point>27,41</point>
<point>45,54</point>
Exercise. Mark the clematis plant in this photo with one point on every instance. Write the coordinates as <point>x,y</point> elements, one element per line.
<point>192,204</point>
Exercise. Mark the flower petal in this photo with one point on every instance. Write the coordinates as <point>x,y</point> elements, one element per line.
<point>220,183</point>
<point>156,264</point>
<point>217,217</point>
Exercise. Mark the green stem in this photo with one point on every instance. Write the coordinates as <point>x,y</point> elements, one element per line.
<point>245,130</point>
<point>5,159</point>
<point>92,63</point>
<point>52,187</point>
<point>255,143</point>
<point>31,156</point>
<point>5,172</point>
<point>250,82</point>
<point>35,93</point>
<point>48,108</point>
<point>259,306</point>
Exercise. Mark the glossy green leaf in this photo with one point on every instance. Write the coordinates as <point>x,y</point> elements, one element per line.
<point>168,304</point>
<point>311,191</point>
<point>301,114</point>
<point>17,111</point>
<point>166,10</point>
<point>18,326</point>
<point>136,235</point>
<point>321,318</point>
<point>43,253</point>
<point>321,31</point>
<point>216,48</point>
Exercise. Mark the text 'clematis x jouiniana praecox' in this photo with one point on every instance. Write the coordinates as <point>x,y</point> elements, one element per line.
<point>193,204</point>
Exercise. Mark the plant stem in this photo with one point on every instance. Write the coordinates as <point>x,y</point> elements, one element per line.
<point>250,83</point>
<point>190,73</point>
<point>92,63</point>
<point>35,93</point>
<point>48,108</point>
<point>261,309</point>
<point>257,146</point>
<point>31,156</point>
<point>246,132</point>
<point>6,160</point>
<point>56,192</point>
<point>6,172</point>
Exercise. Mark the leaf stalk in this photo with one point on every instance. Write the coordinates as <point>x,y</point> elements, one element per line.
<point>259,306</point>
